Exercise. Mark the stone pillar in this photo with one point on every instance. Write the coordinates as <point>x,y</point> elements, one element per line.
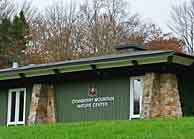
<point>150,93</point>
<point>161,96</point>
<point>42,109</point>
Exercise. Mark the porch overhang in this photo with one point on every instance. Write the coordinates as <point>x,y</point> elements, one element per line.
<point>107,62</point>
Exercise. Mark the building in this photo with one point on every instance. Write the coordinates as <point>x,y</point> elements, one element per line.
<point>135,83</point>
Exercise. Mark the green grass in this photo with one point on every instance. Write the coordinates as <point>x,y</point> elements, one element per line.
<point>137,129</point>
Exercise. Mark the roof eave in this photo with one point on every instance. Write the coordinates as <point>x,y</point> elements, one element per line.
<point>86,65</point>
<point>109,63</point>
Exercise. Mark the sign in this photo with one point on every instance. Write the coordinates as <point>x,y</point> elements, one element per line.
<point>93,102</point>
<point>92,91</point>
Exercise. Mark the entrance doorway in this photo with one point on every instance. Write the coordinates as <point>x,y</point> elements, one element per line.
<point>136,94</point>
<point>16,106</point>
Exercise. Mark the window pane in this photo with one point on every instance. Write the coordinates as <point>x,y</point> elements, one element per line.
<point>13,103</point>
<point>137,92</point>
<point>21,106</point>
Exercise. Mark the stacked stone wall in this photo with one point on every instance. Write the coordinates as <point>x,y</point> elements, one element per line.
<point>42,109</point>
<point>161,96</point>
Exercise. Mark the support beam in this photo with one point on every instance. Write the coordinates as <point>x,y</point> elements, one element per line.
<point>22,75</point>
<point>56,71</point>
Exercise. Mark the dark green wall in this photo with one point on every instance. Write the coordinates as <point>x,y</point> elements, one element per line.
<point>117,87</point>
<point>3,106</point>
<point>4,103</point>
<point>186,86</point>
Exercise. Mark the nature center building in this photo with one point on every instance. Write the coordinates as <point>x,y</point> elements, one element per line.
<point>135,83</point>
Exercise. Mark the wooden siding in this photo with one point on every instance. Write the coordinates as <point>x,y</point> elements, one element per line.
<point>117,88</point>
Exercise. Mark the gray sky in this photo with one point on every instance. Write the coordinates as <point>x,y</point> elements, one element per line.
<point>156,11</point>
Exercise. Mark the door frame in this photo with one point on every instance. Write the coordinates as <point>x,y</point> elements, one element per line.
<point>17,102</point>
<point>131,115</point>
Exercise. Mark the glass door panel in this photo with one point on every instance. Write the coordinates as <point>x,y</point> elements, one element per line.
<point>16,106</point>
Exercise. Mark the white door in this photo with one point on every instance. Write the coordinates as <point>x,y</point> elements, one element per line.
<point>16,106</point>
<point>136,93</point>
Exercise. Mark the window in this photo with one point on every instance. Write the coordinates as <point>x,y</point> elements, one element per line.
<point>16,106</point>
<point>136,93</point>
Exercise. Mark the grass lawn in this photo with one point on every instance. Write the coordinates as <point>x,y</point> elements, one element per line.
<point>137,129</point>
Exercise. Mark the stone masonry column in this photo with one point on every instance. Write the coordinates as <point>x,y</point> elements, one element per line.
<point>42,109</point>
<point>161,96</point>
<point>150,93</point>
<point>169,95</point>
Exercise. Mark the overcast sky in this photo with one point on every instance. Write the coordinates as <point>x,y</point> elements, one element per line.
<point>156,11</point>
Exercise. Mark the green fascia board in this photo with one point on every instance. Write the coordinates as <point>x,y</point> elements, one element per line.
<point>74,68</point>
<point>64,69</point>
<point>9,76</point>
<point>182,60</point>
<point>34,73</point>
<point>84,67</point>
<point>128,62</point>
<point>152,60</point>
<point>42,72</point>
<point>113,63</point>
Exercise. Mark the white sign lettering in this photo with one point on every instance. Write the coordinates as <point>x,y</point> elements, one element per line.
<point>93,102</point>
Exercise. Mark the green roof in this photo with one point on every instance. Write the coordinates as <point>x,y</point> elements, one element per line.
<point>100,62</point>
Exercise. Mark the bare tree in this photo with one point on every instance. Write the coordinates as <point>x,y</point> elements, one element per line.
<point>182,24</point>
<point>108,23</point>
<point>66,32</point>
<point>30,11</point>
<point>7,9</point>
<point>53,30</point>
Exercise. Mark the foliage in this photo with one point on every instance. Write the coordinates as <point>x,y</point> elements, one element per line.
<point>167,42</point>
<point>65,31</point>
<point>137,129</point>
<point>37,55</point>
<point>89,29</point>
<point>14,38</point>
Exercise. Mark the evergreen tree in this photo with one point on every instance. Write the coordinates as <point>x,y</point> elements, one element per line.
<point>5,41</point>
<point>14,38</point>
